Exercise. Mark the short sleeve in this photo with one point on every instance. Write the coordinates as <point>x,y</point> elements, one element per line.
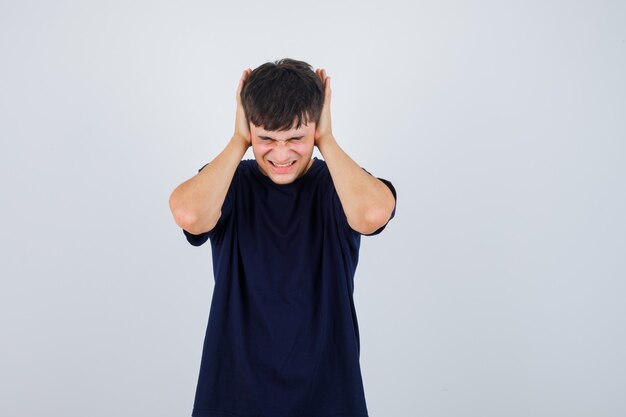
<point>342,216</point>
<point>198,240</point>
<point>393,213</point>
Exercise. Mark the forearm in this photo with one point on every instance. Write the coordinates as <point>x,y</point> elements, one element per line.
<point>367,201</point>
<point>196,203</point>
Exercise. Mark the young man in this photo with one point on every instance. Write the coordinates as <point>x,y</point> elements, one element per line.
<point>282,338</point>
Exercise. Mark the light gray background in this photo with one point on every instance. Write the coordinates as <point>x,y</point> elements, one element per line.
<point>498,289</point>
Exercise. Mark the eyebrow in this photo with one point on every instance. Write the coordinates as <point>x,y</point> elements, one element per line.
<point>293,137</point>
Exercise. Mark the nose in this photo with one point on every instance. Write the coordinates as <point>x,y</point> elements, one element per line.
<point>281,150</point>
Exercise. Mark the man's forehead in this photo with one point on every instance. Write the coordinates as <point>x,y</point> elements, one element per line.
<point>302,129</point>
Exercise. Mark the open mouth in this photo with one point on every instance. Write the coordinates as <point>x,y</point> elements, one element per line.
<point>287,165</point>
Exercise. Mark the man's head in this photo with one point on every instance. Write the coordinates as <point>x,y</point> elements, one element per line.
<point>283,102</point>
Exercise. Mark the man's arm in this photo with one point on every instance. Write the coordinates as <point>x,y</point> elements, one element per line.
<point>196,203</point>
<point>366,200</point>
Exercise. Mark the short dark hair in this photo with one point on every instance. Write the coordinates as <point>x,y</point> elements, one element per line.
<point>277,93</point>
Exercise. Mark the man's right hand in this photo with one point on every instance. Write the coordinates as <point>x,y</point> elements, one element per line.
<point>242,130</point>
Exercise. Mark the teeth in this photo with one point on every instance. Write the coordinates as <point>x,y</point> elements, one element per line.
<point>283,165</point>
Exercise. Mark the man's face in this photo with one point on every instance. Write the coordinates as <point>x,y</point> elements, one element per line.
<point>273,149</point>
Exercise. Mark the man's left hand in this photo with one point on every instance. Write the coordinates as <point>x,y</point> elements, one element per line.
<point>323,130</point>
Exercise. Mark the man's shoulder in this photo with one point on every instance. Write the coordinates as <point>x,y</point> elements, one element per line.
<point>246,167</point>
<point>246,164</point>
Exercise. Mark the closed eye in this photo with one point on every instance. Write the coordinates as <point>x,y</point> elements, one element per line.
<point>267,138</point>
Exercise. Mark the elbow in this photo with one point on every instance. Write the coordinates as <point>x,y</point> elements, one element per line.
<point>190,219</point>
<point>375,217</point>
<point>182,216</point>
<point>193,224</point>
<point>371,221</point>
<point>377,220</point>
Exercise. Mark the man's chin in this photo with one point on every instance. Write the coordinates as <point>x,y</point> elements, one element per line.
<point>281,180</point>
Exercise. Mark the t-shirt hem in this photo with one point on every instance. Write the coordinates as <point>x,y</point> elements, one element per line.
<point>223,413</point>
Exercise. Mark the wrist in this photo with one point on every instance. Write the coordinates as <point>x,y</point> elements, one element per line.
<point>325,141</point>
<point>240,142</point>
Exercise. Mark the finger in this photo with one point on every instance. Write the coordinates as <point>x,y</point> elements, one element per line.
<point>327,80</point>
<point>239,87</point>
<point>244,76</point>
<point>327,90</point>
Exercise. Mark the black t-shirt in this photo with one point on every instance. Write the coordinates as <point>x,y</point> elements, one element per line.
<point>282,338</point>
